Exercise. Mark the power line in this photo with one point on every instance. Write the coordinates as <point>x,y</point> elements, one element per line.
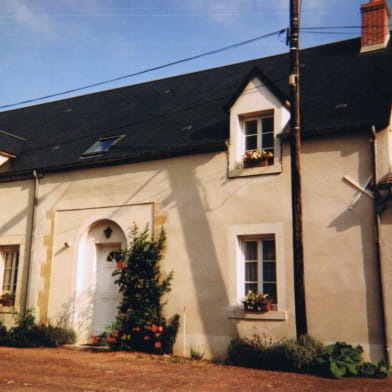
<point>311,30</point>
<point>232,46</point>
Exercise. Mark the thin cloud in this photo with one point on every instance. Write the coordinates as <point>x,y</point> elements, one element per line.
<point>229,12</point>
<point>23,12</point>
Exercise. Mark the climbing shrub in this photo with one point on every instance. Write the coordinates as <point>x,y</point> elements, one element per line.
<point>140,324</point>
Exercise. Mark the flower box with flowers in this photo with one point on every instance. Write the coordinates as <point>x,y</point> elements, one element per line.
<point>257,158</point>
<point>257,302</point>
<point>7,299</point>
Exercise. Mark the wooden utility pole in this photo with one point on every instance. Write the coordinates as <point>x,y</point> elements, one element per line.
<point>300,305</point>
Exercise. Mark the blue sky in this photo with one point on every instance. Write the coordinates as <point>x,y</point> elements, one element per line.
<point>49,46</point>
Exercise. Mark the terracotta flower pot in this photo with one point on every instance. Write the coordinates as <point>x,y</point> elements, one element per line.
<point>256,163</point>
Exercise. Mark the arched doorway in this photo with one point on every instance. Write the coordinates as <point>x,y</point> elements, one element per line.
<point>97,296</point>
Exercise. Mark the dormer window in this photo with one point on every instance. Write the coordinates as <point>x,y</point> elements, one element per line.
<point>258,114</point>
<point>259,140</point>
<point>102,145</point>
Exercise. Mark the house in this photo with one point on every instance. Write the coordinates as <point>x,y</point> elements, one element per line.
<point>76,173</point>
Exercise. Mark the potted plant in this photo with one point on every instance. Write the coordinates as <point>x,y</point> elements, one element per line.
<point>7,299</point>
<point>257,158</point>
<point>257,302</point>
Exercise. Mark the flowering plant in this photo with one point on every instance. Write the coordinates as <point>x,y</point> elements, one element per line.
<point>257,302</point>
<point>140,324</point>
<point>7,299</point>
<point>257,155</point>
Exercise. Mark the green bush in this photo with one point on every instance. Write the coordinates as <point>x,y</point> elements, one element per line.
<point>367,369</point>
<point>140,324</point>
<point>26,333</point>
<point>340,359</point>
<point>288,355</point>
<point>382,370</point>
<point>294,355</point>
<point>305,354</point>
<point>250,352</point>
<point>196,354</point>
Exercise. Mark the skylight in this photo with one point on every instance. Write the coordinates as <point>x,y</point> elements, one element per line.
<point>103,145</point>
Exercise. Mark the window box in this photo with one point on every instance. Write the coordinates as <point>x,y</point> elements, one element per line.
<point>257,163</point>
<point>257,302</point>
<point>7,299</point>
<point>265,307</point>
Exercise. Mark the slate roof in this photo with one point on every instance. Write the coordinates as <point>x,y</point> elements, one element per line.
<point>341,90</point>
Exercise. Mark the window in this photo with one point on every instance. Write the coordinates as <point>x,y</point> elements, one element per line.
<point>103,145</point>
<point>259,134</point>
<point>259,257</point>
<point>9,274</point>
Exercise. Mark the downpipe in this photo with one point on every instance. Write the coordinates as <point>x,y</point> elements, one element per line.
<point>377,213</point>
<point>27,297</point>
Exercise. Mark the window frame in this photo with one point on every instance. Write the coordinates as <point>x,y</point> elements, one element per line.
<point>236,272</point>
<point>261,281</point>
<point>95,148</point>
<point>259,132</point>
<point>11,285</point>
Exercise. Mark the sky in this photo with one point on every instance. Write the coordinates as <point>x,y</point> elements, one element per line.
<point>51,46</point>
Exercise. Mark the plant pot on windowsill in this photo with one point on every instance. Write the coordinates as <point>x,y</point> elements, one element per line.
<point>260,308</point>
<point>257,158</point>
<point>256,163</point>
<point>7,299</point>
<point>257,302</point>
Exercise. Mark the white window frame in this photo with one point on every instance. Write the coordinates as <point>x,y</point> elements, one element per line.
<point>236,271</point>
<point>261,281</point>
<point>259,132</point>
<point>11,285</point>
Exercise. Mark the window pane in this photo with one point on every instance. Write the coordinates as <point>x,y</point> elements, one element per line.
<point>251,273</point>
<point>251,127</point>
<point>251,287</point>
<point>8,260</point>
<point>7,280</point>
<point>270,289</point>
<point>268,250</point>
<point>267,124</point>
<point>251,250</point>
<point>113,256</point>
<point>267,140</point>
<point>10,272</point>
<point>251,143</point>
<point>269,272</point>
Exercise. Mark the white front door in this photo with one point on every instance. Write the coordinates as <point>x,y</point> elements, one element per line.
<point>107,294</point>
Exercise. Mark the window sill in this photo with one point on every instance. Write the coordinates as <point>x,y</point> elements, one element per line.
<point>273,315</point>
<point>241,171</point>
<point>7,309</point>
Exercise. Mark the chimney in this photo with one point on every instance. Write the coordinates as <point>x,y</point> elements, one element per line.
<point>375,25</point>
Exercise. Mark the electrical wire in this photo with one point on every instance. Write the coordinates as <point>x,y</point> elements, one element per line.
<point>232,46</point>
<point>308,30</point>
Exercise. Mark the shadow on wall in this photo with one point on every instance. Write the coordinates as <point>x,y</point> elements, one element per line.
<point>358,212</point>
<point>207,277</point>
<point>79,317</point>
